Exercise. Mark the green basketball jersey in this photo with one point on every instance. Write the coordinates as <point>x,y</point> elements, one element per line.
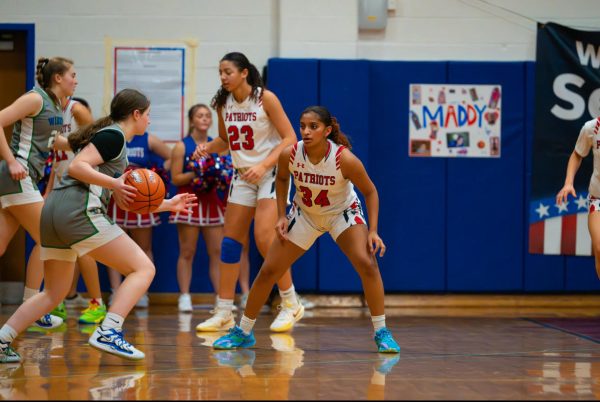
<point>33,137</point>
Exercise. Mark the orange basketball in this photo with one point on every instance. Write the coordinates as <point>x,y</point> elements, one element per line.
<point>151,190</point>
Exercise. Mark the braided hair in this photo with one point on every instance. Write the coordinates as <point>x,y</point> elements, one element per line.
<point>46,69</point>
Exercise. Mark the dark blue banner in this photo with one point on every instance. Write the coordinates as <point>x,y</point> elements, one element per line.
<point>567,78</point>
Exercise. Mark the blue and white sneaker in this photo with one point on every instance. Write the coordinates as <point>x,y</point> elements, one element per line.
<point>385,341</point>
<point>8,354</point>
<point>236,338</point>
<point>112,341</point>
<point>49,321</point>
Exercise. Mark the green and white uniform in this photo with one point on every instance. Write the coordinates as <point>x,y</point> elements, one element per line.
<point>32,139</point>
<point>74,219</point>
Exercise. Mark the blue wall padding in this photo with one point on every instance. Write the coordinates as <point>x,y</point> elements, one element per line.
<point>344,89</point>
<point>580,274</point>
<point>485,195</point>
<point>411,190</point>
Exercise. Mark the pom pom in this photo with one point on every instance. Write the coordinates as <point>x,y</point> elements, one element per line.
<point>212,172</point>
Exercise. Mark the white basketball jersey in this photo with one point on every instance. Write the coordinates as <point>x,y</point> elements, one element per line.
<point>63,158</point>
<point>251,134</point>
<point>589,138</point>
<point>321,188</point>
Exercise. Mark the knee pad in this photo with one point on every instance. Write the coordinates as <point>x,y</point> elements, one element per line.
<point>231,251</point>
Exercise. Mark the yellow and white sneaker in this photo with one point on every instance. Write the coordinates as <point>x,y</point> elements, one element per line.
<point>287,317</point>
<point>222,320</point>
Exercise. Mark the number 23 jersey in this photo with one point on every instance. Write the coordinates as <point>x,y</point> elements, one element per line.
<point>320,188</point>
<point>250,132</point>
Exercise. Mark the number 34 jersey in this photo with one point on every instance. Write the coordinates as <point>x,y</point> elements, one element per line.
<point>250,132</point>
<point>321,188</point>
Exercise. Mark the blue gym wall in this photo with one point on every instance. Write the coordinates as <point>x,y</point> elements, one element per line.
<point>450,225</point>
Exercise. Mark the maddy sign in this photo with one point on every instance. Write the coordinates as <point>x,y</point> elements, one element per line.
<point>455,120</point>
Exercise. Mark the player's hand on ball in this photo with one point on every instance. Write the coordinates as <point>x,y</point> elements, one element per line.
<point>375,243</point>
<point>123,193</point>
<point>183,203</point>
<point>563,194</point>
<point>281,228</point>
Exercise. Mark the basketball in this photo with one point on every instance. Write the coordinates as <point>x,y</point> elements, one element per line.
<point>151,190</point>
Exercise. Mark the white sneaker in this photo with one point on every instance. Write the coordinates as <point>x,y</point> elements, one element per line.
<point>143,302</point>
<point>222,320</point>
<point>185,303</point>
<point>77,301</point>
<point>49,321</point>
<point>287,317</point>
<point>112,341</point>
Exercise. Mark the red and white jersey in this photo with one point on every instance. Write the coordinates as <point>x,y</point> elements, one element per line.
<point>321,188</point>
<point>63,158</point>
<point>589,138</point>
<point>251,134</point>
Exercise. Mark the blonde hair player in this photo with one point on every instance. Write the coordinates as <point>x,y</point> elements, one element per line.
<point>324,172</point>
<point>253,124</point>
<point>586,142</point>
<point>74,222</point>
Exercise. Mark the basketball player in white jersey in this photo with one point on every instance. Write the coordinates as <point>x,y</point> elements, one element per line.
<point>253,125</point>
<point>588,139</point>
<point>324,172</point>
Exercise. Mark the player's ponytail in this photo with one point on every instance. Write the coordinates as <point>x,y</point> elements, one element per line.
<point>325,117</point>
<point>122,105</point>
<point>46,69</point>
<point>254,79</point>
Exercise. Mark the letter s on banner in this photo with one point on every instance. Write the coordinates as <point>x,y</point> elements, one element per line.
<point>561,91</point>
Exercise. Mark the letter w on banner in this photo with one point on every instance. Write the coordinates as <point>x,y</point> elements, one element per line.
<point>567,95</point>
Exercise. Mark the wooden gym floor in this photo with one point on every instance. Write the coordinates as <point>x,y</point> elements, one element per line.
<point>509,350</point>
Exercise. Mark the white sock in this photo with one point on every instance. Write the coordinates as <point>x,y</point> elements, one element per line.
<point>289,296</point>
<point>112,320</point>
<point>7,334</point>
<point>246,324</point>
<point>225,305</point>
<point>378,322</point>
<point>28,293</point>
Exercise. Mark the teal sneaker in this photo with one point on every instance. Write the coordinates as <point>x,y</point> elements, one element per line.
<point>385,341</point>
<point>236,338</point>
<point>60,311</point>
<point>94,314</point>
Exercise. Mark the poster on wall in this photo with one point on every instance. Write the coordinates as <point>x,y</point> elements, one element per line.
<point>158,72</point>
<point>567,94</point>
<point>455,120</point>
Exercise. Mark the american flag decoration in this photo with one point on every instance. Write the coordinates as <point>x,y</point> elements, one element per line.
<point>559,229</point>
